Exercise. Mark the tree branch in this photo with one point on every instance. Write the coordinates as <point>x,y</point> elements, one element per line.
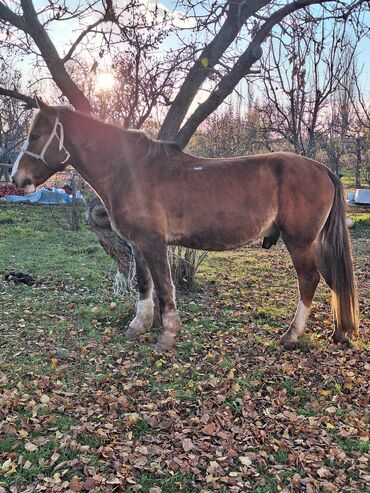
<point>238,12</point>
<point>30,102</point>
<point>31,25</point>
<point>240,69</point>
<point>9,16</point>
<point>79,39</point>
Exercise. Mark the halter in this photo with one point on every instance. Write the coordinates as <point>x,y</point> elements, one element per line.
<point>47,144</point>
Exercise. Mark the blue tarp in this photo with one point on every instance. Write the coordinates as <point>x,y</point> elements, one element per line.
<point>54,196</point>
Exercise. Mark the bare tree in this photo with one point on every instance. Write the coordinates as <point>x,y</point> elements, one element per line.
<point>144,82</point>
<point>358,125</point>
<point>346,133</point>
<point>301,73</point>
<point>254,20</point>
<point>14,118</point>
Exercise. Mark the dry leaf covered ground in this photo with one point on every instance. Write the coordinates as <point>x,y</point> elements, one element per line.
<point>83,409</point>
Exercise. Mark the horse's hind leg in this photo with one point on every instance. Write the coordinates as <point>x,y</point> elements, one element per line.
<point>145,308</point>
<point>308,279</point>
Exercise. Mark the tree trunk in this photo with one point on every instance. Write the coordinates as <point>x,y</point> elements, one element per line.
<point>236,15</point>
<point>358,162</point>
<point>118,249</point>
<point>337,167</point>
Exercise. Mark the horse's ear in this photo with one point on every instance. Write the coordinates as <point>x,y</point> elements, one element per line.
<point>44,108</point>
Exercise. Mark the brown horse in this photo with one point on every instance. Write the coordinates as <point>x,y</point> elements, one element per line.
<point>157,195</point>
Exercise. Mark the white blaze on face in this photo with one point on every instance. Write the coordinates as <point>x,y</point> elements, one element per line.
<point>17,161</point>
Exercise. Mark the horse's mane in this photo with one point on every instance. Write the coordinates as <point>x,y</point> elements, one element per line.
<point>155,148</point>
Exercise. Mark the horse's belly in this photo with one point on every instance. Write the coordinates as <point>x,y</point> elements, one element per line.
<point>216,239</point>
<point>223,216</point>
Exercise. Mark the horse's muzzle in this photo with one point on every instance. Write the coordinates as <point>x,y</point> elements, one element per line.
<point>25,185</point>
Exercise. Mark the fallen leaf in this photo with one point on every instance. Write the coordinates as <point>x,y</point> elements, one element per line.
<point>209,429</point>
<point>245,461</point>
<point>323,472</point>
<point>89,484</point>
<point>235,388</point>
<point>187,444</point>
<point>31,447</point>
<point>6,465</point>
<point>75,484</point>
<point>27,465</point>
<point>132,419</point>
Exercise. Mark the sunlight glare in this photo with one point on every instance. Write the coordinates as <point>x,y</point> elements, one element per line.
<point>105,81</point>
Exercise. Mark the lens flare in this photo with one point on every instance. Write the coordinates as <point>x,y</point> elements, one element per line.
<point>105,81</point>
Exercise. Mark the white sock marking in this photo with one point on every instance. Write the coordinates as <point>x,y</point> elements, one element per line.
<point>144,309</point>
<point>300,319</point>
<point>144,314</point>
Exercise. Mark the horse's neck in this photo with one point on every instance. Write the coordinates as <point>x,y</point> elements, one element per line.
<point>95,147</point>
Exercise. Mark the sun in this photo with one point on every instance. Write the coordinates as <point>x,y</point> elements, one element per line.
<point>105,81</point>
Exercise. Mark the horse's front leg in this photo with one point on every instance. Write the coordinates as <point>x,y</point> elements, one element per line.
<point>143,320</point>
<point>154,250</point>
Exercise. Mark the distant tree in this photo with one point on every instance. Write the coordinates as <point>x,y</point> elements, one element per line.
<point>229,133</point>
<point>345,135</point>
<point>14,117</point>
<point>301,72</point>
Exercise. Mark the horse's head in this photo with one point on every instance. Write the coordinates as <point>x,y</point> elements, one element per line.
<point>43,153</point>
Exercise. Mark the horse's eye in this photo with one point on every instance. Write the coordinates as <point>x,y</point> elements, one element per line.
<point>34,137</point>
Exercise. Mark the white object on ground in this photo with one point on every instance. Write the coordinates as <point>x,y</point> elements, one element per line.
<point>350,223</point>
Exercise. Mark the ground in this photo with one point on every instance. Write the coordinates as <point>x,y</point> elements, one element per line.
<point>84,409</point>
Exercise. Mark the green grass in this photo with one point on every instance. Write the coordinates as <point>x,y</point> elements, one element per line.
<point>39,463</point>
<point>40,243</point>
<point>352,445</point>
<point>178,482</point>
<point>229,385</point>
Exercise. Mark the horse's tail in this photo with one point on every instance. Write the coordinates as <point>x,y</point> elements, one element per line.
<point>337,266</point>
